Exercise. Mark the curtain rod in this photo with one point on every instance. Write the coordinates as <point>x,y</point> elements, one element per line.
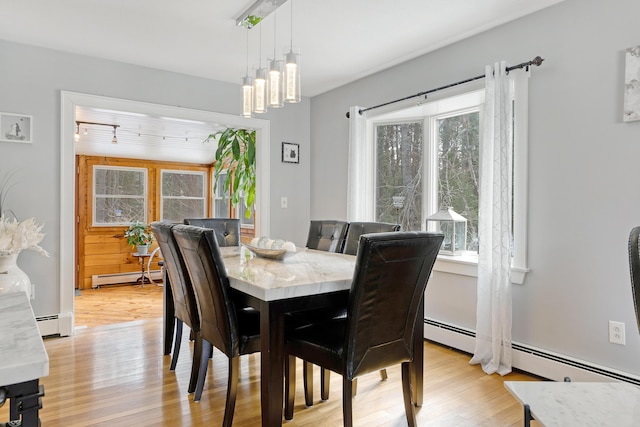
<point>537,61</point>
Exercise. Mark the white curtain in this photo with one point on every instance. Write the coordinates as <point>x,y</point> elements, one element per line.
<point>493,321</point>
<point>359,180</point>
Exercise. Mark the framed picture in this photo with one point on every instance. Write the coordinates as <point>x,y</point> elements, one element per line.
<point>15,128</point>
<point>290,152</point>
<point>632,85</point>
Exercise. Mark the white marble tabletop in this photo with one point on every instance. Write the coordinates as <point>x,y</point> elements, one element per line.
<point>584,404</point>
<point>308,272</point>
<point>22,353</point>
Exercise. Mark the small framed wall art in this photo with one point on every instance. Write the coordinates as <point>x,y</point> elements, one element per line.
<point>290,152</point>
<point>15,128</point>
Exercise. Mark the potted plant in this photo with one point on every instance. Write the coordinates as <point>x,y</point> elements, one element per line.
<point>236,154</point>
<point>139,236</point>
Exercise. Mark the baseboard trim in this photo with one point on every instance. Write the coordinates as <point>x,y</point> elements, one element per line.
<point>60,324</point>
<point>536,361</point>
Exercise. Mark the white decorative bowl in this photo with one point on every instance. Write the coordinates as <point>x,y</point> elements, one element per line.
<point>278,254</point>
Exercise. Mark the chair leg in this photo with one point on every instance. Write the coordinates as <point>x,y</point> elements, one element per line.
<point>407,394</point>
<point>289,386</point>
<point>202,371</point>
<point>307,375</point>
<point>232,390</point>
<point>176,345</point>
<point>347,402</point>
<point>195,364</point>
<point>383,374</point>
<point>324,383</point>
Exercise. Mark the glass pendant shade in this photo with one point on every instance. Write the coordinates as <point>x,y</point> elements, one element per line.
<point>275,83</point>
<point>260,91</point>
<point>292,78</point>
<point>247,96</point>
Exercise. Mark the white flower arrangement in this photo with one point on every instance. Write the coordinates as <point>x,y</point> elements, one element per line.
<point>16,236</point>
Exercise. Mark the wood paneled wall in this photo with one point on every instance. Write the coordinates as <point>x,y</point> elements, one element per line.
<point>104,250</point>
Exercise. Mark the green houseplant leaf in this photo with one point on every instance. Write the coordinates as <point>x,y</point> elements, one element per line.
<point>236,155</point>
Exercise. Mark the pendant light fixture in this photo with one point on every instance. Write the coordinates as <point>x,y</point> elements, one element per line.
<point>279,81</point>
<point>247,88</point>
<point>260,84</point>
<point>292,71</point>
<point>275,82</point>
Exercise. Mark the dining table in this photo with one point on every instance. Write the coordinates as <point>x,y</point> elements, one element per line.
<point>305,280</point>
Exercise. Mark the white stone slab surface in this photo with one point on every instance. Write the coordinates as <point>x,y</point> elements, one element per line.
<point>584,404</point>
<point>22,353</point>
<point>308,272</point>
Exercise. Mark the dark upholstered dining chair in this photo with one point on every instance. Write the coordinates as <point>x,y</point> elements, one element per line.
<point>356,229</point>
<point>327,235</point>
<point>227,230</point>
<point>184,300</point>
<point>223,323</point>
<point>634,266</point>
<point>391,274</point>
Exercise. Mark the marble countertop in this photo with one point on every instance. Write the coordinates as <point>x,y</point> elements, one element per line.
<point>584,404</point>
<point>308,272</point>
<point>22,353</point>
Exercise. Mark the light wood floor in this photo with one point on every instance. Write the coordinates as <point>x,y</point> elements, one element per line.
<point>116,375</point>
<point>117,304</point>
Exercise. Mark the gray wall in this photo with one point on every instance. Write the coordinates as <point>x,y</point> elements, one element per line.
<point>30,82</point>
<point>583,170</point>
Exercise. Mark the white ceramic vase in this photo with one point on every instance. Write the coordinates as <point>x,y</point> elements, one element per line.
<point>12,278</point>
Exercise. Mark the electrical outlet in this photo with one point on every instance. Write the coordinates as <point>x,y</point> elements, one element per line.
<point>284,202</point>
<point>616,333</point>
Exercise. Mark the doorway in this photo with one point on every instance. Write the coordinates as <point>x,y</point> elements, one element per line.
<point>71,100</point>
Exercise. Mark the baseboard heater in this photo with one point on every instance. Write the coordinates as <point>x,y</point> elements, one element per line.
<point>529,359</point>
<point>98,280</point>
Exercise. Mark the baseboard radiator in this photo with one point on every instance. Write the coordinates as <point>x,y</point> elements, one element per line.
<point>98,280</point>
<point>55,324</point>
<point>529,359</point>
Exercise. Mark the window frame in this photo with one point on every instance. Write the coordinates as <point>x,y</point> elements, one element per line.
<point>443,104</point>
<point>162,197</point>
<point>94,196</point>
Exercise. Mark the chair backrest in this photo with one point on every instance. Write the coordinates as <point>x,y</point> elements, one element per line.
<point>218,322</point>
<point>634,267</point>
<point>227,230</point>
<point>356,229</point>
<point>392,270</point>
<point>327,235</point>
<point>184,300</point>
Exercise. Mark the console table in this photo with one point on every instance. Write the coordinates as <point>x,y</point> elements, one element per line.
<point>584,404</point>
<point>23,359</point>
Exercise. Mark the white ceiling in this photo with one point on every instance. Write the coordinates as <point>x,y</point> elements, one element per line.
<point>340,41</point>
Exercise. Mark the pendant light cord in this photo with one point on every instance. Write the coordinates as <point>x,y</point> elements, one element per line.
<point>291,25</point>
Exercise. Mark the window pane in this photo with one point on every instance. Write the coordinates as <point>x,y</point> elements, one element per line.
<point>119,195</point>
<point>178,209</point>
<point>221,201</point>
<point>118,182</point>
<point>399,174</point>
<point>117,210</point>
<point>458,158</point>
<point>244,221</point>
<point>183,195</point>
<point>182,184</point>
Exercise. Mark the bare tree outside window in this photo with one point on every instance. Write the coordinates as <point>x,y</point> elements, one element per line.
<point>399,174</point>
<point>183,195</point>
<point>458,160</point>
<point>119,195</point>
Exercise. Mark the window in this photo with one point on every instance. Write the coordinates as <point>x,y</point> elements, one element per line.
<point>220,199</point>
<point>119,195</point>
<point>183,195</point>
<point>427,157</point>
